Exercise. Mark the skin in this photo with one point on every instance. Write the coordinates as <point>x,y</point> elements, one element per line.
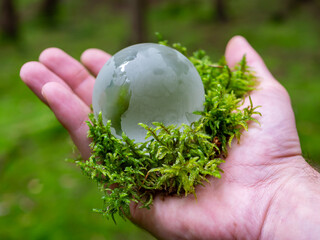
<point>268,191</point>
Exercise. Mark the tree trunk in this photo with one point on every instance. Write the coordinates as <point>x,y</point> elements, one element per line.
<point>9,19</point>
<point>49,11</point>
<point>138,9</point>
<point>220,10</point>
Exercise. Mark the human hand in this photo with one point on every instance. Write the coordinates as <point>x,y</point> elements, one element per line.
<point>267,190</point>
<point>249,201</point>
<point>66,86</point>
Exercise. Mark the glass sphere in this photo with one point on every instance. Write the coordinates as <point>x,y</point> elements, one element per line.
<point>147,83</point>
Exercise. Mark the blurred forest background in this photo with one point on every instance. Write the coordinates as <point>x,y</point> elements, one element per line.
<point>44,197</point>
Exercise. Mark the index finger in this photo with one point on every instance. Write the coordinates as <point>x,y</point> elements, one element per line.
<point>94,59</point>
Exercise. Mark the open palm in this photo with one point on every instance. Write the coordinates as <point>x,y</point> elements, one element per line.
<point>258,172</point>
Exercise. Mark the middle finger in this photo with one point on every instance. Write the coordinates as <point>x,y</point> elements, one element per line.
<point>70,71</point>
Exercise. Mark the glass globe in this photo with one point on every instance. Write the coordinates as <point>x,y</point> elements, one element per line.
<point>147,83</point>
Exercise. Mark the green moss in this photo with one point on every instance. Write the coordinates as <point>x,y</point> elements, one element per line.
<point>174,159</point>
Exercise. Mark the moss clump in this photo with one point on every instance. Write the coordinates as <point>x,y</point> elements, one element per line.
<point>175,159</point>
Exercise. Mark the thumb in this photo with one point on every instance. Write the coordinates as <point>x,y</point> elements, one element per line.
<point>236,48</point>
<point>276,135</point>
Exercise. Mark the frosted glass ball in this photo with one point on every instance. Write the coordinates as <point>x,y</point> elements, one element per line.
<point>147,83</point>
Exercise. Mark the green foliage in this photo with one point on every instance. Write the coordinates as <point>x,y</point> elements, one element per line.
<point>174,160</point>
<point>34,146</point>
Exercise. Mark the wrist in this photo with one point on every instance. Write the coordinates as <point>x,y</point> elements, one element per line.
<point>293,211</point>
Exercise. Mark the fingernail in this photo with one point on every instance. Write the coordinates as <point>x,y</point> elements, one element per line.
<point>43,93</point>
